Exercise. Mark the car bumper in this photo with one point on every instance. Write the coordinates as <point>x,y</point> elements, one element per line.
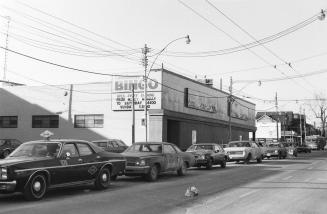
<point>137,170</point>
<point>7,186</point>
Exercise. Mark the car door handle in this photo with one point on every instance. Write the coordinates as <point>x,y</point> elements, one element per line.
<point>80,160</point>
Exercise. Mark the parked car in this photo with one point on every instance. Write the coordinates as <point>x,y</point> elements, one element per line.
<point>312,145</point>
<point>244,151</point>
<point>208,154</point>
<point>276,150</point>
<point>149,159</point>
<point>7,146</point>
<point>303,148</point>
<point>111,145</point>
<point>36,166</point>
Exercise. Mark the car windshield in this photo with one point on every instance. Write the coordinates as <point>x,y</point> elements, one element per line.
<point>37,150</point>
<point>200,147</point>
<point>239,144</point>
<point>145,148</point>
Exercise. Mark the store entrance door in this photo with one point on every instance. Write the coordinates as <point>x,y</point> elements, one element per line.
<point>173,132</point>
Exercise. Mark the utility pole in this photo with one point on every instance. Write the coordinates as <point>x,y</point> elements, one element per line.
<point>305,127</point>
<point>277,119</point>
<point>133,115</point>
<point>6,51</point>
<point>300,126</point>
<point>145,52</point>
<point>230,101</point>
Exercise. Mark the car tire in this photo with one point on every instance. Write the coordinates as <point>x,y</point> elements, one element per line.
<point>36,188</point>
<point>209,164</point>
<point>223,164</point>
<point>152,174</point>
<point>103,179</point>
<point>259,160</point>
<point>182,171</point>
<point>279,155</point>
<point>248,159</point>
<point>5,153</point>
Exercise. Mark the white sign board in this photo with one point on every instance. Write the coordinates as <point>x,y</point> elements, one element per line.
<point>122,92</point>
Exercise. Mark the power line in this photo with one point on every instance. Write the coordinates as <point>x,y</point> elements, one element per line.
<point>251,36</point>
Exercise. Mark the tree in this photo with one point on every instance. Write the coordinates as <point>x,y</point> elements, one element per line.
<point>319,108</point>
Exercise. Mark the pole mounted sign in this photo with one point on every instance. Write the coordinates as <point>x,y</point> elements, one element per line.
<point>122,95</point>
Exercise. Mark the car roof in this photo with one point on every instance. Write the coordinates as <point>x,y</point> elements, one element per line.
<point>200,144</point>
<point>154,143</point>
<point>57,140</point>
<point>105,140</point>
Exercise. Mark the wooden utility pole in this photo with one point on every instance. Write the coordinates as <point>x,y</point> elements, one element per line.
<point>133,115</point>
<point>145,52</point>
<point>230,101</point>
<point>300,126</point>
<point>277,119</point>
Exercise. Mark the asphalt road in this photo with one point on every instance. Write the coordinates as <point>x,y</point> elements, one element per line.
<point>274,186</point>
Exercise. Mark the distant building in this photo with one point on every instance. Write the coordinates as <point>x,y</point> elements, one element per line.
<point>268,129</point>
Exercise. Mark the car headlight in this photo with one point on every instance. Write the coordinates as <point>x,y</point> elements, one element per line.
<point>3,174</point>
<point>202,157</point>
<point>276,151</point>
<point>140,163</point>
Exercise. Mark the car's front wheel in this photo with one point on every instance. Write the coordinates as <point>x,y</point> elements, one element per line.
<point>223,164</point>
<point>182,171</point>
<point>36,188</point>
<point>247,160</point>
<point>259,159</point>
<point>152,174</point>
<point>209,163</point>
<point>103,179</point>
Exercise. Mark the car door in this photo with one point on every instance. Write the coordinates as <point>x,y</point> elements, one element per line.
<point>90,161</point>
<point>69,169</point>
<point>171,158</point>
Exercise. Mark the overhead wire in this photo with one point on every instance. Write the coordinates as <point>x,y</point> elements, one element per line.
<point>232,38</point>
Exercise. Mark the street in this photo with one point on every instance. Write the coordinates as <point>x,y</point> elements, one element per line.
<point>295,185</point>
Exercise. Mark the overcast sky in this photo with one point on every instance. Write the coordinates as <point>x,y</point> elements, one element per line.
<point>106,36</point>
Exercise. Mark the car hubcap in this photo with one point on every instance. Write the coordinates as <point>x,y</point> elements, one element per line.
<point>104,177</point>
<point>37,186</point>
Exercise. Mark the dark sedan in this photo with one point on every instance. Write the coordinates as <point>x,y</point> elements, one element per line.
<point>153,158</point>
<point>36,166</point>
<point>7,146</point>
<point>111,145</point>
<point>208,154</point>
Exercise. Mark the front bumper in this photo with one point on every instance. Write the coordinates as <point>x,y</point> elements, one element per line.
<point>7,186</point>
<point>137,170</point>
<point>200,162</point>
<point>235,157</point>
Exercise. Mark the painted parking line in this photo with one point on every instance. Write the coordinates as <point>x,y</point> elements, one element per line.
<point>248,193</point>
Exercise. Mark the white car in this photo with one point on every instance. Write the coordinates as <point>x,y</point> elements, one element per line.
<point>244,151</point>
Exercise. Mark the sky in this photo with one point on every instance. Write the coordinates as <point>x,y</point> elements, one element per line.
<point>107,36</point>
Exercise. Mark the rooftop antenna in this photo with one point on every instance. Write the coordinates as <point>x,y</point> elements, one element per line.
<point>6,50</point>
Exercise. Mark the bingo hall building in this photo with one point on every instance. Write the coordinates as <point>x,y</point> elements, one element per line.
<point>180,110</point>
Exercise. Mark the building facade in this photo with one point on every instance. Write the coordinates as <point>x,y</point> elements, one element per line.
<point>180,110</point>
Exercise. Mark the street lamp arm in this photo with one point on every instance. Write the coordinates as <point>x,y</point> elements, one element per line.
<point>162,50</point>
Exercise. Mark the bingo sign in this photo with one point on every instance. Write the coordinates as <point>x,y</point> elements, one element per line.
<point>122,93</point>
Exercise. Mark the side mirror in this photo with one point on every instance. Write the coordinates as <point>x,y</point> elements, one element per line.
<point>67,155</point>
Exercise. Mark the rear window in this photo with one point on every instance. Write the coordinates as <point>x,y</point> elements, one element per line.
<point>101,144</point>
<point>239,144</point>
<point>145,148</point>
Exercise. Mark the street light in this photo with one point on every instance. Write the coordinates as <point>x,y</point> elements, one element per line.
<point>145,51</point>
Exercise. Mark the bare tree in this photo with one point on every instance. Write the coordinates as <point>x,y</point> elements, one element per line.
<point>319,108</point>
